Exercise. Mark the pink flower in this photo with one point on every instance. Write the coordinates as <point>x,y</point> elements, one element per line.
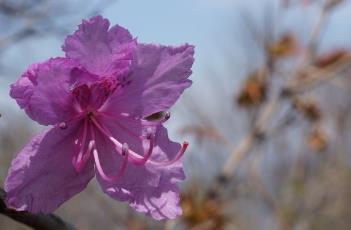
<point>97,98</point>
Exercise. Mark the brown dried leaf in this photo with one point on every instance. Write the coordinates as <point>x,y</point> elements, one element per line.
<point>198,209</point>
<point>308,108</point>
<point>317,140</point>
<point>253,92</point>
<point>286,46</point>
<point>330,58</point>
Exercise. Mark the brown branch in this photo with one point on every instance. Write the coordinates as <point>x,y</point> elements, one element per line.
<point>36,221</point>
<point>316,77</point>
<point>260,128</point>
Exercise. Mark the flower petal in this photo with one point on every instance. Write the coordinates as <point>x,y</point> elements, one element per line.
<point>158,77</point>
<point>43,91</point>
<point>161,202</point>
<point>147,188</point>
<point>42,176</point>
<point>100,50</point>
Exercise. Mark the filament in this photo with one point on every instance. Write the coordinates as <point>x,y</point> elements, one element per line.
<point>122,169</point>
<point>141,159</point>
<point>175,159</point>
<point>133,156</point>
<point>78,161</point>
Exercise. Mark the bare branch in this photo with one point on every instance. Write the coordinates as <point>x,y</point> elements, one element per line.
<point>36,221</point>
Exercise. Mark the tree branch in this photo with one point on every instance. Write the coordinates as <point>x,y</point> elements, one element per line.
<point>36,221</point>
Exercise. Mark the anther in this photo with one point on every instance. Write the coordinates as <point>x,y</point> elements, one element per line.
<point>63,125</point>
<point>167,116</point>
<point>149,133</point>
<point>159,117</point>
<point>125,149</point>
<point>175,159</point>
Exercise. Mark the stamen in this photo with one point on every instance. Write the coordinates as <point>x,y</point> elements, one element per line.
<point>167,116</point>
<point>175,159</point>
<point>125,149</point>
<point>157,118</point>
<point>77,161</point>
<point>63,125</point>
<point>139,159</point>
<point>120,172</point>
<point>149,133</point>
<point>133,156</point>
<point>124,152</point>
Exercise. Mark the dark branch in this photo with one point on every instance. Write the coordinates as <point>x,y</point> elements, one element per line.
<point>36,221</point>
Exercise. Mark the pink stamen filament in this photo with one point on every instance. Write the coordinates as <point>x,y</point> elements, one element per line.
<point>136,158</point>
<point>133,156</point>
<point>175,159</point>
<point>78,161</point>
<point>147,156</point>
<point>124,152</point>
<point>84,138</point>
<point>102,173</point>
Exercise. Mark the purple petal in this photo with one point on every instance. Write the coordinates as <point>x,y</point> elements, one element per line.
<point>42,177</point>
<point>43,91</point>
<point>161,202</point>
<point>159,76</point>
<point>22,90</point>
<point>100,50</point>
<point>147,188</point>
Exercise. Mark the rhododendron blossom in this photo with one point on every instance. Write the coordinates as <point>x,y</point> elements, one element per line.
<point>97,99</point>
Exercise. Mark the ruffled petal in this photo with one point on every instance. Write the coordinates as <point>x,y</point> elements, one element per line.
<point>161,202</point>
<point>158,77</point>
<point>100,50</point>
<point>44,91</point>
<point>42,177</point>
<point>147,188</point>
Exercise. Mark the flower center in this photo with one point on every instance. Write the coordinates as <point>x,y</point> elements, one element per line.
<point>90,97</point>
<point>87,146</point>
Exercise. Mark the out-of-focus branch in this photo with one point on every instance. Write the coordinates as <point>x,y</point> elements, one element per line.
<point>317,77</point>
<point>259,130</point>
<point>16,37</point>
<point>36,18</point>
<point>36,221</point>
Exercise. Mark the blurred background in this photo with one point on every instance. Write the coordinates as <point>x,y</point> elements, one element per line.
<point>270,147</point>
